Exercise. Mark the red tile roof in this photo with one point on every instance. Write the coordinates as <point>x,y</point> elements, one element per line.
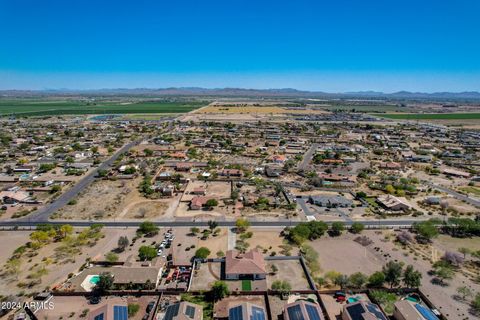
<point>251,262</point>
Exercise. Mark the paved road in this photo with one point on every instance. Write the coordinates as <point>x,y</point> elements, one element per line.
<point>44,213</point>
<point>455,194</point>
<point>281,223</point>
<point>307,157</point>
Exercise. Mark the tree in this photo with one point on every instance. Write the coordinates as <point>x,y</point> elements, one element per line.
<point>202,253</point>
<point>147,253</point>
<point>212,224</point>
<point>357,227</point>
<point>464,292</point>
<point>341,281</point>
<point>357,280</point>
<point>102,173</point>
<point>443,271</point>
<point>56,188</point>
<point>40,237</point>
<point>148,228</point>
<point>105,282</point>
<point>376,279</point>
<point>148,152</point>
<point>133,309</point>
<point>390,189</point>
<point>411,277</point>
<point>194,230</point>
<point>219,290</point>
<point>361,195</point>
<point>122,243</point>
<point>111,257</point>
<point>211,203</point>
<point>242,224</point>
<point>317,229</point>
<point>332,276</point>
<point>64,231</point>
<point>337,228</point>
<point>393,273</point>
<point>283,287</point>
<point>426,230</point>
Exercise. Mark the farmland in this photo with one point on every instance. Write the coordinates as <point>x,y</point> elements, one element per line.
<point>431,116</point>
<point>47,107</point>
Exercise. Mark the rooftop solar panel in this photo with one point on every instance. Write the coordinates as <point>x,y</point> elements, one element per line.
<point>120,313</point>
<point>190,312</point>
<point>235,313</point>
<point>425,312</point>
<point>257,314</point>
<point>99,317</point>
<point>372,308</point>
<point>172,311</point>
<point>295,313</point>
<point>312,312</point>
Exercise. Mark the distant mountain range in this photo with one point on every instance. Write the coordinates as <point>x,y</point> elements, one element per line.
<point>239,92</point>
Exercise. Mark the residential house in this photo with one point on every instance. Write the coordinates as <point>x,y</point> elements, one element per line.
<point>250,265</point>
<point>231,173</point>
<point>11,197</point>
<point>393,203</point>
<point>362,310</point>
<point>183,311</point>
<point>408,310</point>
<point>330,201</point>
<point>115,309</point>
<point>302,310</point>
<point>198,202</point>
<point>247,311</point>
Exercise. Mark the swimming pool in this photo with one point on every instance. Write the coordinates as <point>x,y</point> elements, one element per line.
<point>352,300</point>
<point>94,279</point>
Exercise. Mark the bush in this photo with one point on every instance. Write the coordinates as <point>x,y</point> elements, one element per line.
<point>202,253</point>
<point>147,253</point>
<point>148,228</point>
<point>133,309</point>
<point>357,227</point>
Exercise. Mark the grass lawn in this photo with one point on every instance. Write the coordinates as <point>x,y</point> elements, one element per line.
<point>246,285</point>
<point>200,300</point>
<point>386,300</point>
<point>372,201</point>
<point>431,116</point>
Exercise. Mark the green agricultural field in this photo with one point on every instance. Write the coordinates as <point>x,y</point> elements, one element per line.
<point>431,116</point>
<point>31,107</point>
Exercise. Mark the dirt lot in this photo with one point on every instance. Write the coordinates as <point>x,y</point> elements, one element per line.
<point>216,243</point>
<point>269,239</point>
<point>106,199</point>
<point>206,275</point>
<point>257,109</point>
<point>56,272</point>
<point>10,241</point>
<point>447,243</point>
<point>344,255</point>
<point>290,270</point>
<point>215,189</point>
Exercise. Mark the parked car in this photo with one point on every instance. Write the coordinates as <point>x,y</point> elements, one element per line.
<point>150,306</point>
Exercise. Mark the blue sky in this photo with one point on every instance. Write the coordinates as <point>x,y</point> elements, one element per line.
<point>340,45</point>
